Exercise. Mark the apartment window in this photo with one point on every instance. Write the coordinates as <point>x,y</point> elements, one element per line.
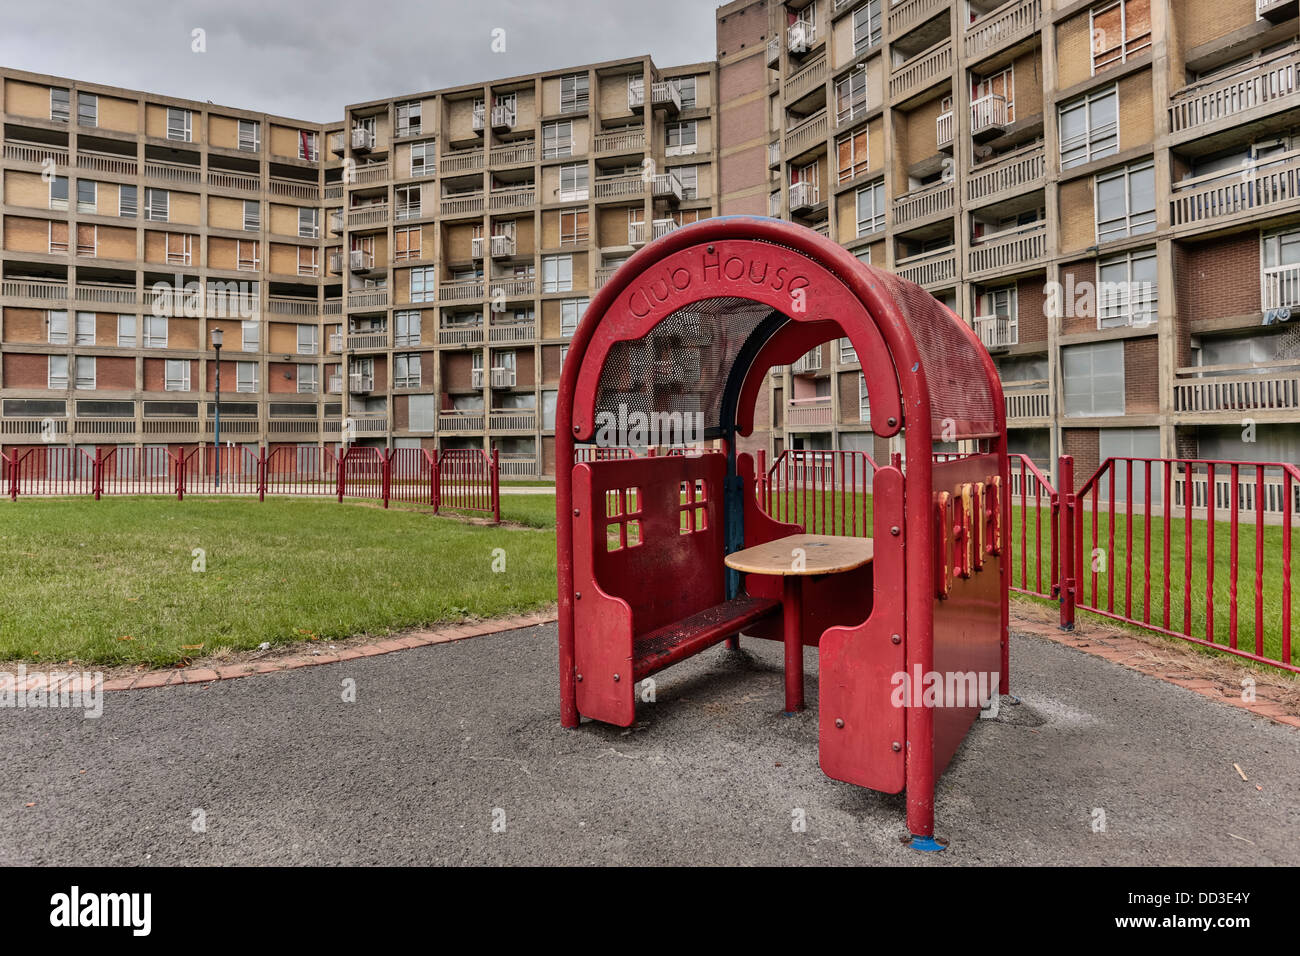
<point>1094,379</point>
<point>406,243</point>
<point>848,354</point>
<point>1120,30</point>
<point>251,335</point>
<point>406,370</point>
<point>85,328</point>
<point>1089,127</point>
<point>557,273</point>
<point>574,93</point>
<point>682,138</point>
<point>424,282</point>
<point>180,124</point>
<point>85,368</point>
<point>57,325</point>
<point>308,339</point>
<point>864,399</point>
<point>573,182</point>
<point>308,145</point>
<point>127,202</point>
<point>87,240</point>
<point>557,139</point>
<point>250,135</point>
<point>871,208</point>
<point>252,215</point>
<point>248,255</point>
<point>155,331</point>
<point>571,311</point>
<point>574,229</point>
<point>774,204</point>
<point>309,223</point>
<point>308,382</point>
<point>59,192</point>
<point>406,327</point>
<point>851,97</point>
<point>686,91</point>
<point>87,109</point>
<point>866,27</point>
<point>423,159</point>
<point>176,375</point>
<point>157,204</point>
<point>1282,248</point>
<point>1126,202</point>
<point>564,354</point>
<point>689,176</point>
<point>245,376</point>
<point>853,159</point>
<point>1126,290</point>
<point>408,202</point>
<point>180,249</point>
<point>126,331</point>
<point>60,104</point>
<point>408,118</point>
<point>308,261</point>
<point>57,374</point>
<point>86,196</point>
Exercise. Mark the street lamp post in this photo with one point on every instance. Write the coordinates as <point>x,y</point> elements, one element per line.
<point>216,432</point>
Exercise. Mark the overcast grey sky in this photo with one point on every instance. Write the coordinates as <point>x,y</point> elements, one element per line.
<point>307,60</point>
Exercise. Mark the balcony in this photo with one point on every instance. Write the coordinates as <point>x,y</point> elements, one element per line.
<point>933,268</point>
<point>335,343</point>
<point>374,214</point>
<point>1010,249</point>
<point>373,298</point>
<point>1220,195</point>
<point>517,466</point>
<point>460,290</point>
<point>461,419</point>
<point>800,37</point>
<point>367,341</point>
<point>522,198</point>
<point>919,204</point>
<point>617,187</point>
<point>911,13</point>
<point>337,145</point>
<point>334,386</point>
<point>465,334</point>
<point>513,419</point>
<point>1263,390</point>
<point>667,186</point>
<point>663,95</point>
<point>370,173</point>
<point>220,180</point>
<point>921,71</point>
<point>803,196</point>
<point>512,332</point>
<point>335,222</point>
<point>461,161</point>
<point>177,173</point>
<point>804,412</point>
<point>943,130</point>
<point>503,377</point>
<point>604,274</point>
<point>461,204</point>
<point>1268,86</point>
<point>628,139</point>
<point>367,423</point>
<point>661,227</point>
<point>774,53</point>
<point>773,155</point>
<point>363,140</point>
<point>1275,11</point>
<point>637,233</point>
<point>808,78</point>
<point>359,383</point>
<point>806,133</point>
<point>808,363</point>
<point>500,247</point>
<point>1015,172</point>
<point>1006,25</point>
<point>514,287</point>
<point>1280,289</point>
<point>359,260</point>
<point>988,117</point>
<point>997,331</point>
<point>1027,402</point>
<point>523,154</point>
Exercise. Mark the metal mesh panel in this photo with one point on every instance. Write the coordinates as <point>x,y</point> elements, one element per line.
<point>679,369</point>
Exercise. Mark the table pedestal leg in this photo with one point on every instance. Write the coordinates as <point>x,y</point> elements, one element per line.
<point>792,604</point>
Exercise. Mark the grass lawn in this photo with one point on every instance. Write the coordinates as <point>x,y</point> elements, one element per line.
<point>81,576</point>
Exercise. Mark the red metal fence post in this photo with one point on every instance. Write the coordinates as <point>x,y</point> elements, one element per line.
<point>496,486</point>
<point>261,473</point>
<point>341,479</point>
<point>434,472</point>
<point>13,476</point>
<point>179,459</point>
<point>1068,569</point>
<point>386,473</point>
<point>97,473</point>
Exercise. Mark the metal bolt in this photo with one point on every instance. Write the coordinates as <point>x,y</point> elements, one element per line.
<point>579,678</point>
<point>615,678</point>
<point>710,249</point>
<point>894,531</point>
<point>577,595</point>
<point>891,421</point>
<point>897,746</point>
<point>576,512</point>
<point>839,722</point>
<point>896,639</point>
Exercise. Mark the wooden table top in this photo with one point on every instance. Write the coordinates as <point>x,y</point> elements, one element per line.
<point>822,554</point>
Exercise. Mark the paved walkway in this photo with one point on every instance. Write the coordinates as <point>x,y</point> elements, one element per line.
<point>444,739</point>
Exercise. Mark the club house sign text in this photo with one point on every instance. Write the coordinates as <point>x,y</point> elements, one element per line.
<point>674,281</point>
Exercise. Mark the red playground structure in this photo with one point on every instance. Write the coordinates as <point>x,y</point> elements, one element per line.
<point>663,555</point>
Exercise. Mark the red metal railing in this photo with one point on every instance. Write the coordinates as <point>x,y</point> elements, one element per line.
<point>1035,518</point>
<point>828,492</point>
<point>468,481</point>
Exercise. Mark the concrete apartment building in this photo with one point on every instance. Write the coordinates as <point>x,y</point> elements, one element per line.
<point>408,276</point>
<point>1142,154</point>
<point>1108,191</point>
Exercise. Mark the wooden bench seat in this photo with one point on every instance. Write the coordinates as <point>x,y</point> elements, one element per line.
<point>655,650</point>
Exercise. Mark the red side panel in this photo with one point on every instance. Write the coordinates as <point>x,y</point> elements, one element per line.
<point>861,732</point>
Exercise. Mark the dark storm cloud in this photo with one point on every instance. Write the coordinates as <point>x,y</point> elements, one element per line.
<point>307,60</point>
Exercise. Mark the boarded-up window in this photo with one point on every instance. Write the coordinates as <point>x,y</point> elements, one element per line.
<point>406,243</point>
<point>1120,30</point>
<point>853,155</point>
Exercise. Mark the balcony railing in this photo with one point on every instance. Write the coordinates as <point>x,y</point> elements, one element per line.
<point>458,290</point>
<point>1014,171</point>
<point>773,52</point>
<point>1026,402</point>
<point>1271,82</point>
<point>523,198</point>
<point>501,246</point>
<point>461,161</point>
<point>988,116</point>
<point>282,187</point>
<point>514,287</point>
<point>519,155</point>
<point>363,140</point>
<point>219,180</point>
<point>512,331</point>
<point>808,411</point>
<point>335,222</point>
<point>1014,247</point>
<point>361,341</point>
<point>773,155</point>
<point>1219,195</point>
<point>928,268</point>
<point>803,196</point>
<point>359,382</point>
<point>661,227</point>
<point>801,36</point>
<point>368,299</point>
<point>176,172</point>
<point>460,334</point>
<point>903,16</point>
<point>922,203</point>
<point>667,186</point>
<point>807,79</point>
<point>921,71</point>
<point>629,139</point>
<point>285,305</point>
<point>517,466</point>
<point>513,419</point>
<point>663,95</point>
<point>1267,390</point>
<point>997,331</point>
<point>461,420</point>
<point>371,215</point>
<point>1008,24</point>
<point>503,377</point>
<point>370,173</point>
<point>1280,287</point>
<point>637,233</point>
<point>39,155</point>
<point>335,342</point>
<point>359,260</point>
<point>806,133</point>
<point>943,130</point>
<point>808,362</point>
<point>461,205</point>
<point>603,274</point>
<point>613,187</point>
<point>1278,11</point>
